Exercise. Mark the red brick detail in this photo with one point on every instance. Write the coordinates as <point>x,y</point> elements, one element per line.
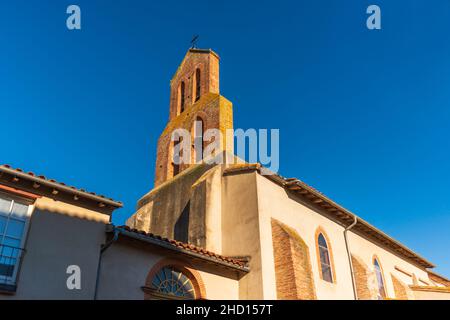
<point>363,276</point>
<point>293,272</point>
<point>400,289</point>
<point>182,266</point>
<point>208,63</point>
<point>208,107</point>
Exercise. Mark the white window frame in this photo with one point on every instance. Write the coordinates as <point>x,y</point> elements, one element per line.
<point>12,280</point>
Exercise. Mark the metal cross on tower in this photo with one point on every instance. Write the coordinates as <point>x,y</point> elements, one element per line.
<point>194,42</point>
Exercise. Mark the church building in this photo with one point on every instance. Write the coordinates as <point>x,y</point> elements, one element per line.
<point>205,231</point>
<point>299,244</point>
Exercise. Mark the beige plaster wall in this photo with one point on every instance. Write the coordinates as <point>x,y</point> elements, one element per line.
<point>50,205</point>
<point>124,270</point>
<point>59,235</point>
<point>241,231</point>
<point>431,295</point>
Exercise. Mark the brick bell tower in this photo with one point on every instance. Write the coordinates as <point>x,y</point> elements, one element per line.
<point>195,105</point>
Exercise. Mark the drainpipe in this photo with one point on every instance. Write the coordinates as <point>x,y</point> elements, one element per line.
<point>355,220</point>
<point>102,250</point>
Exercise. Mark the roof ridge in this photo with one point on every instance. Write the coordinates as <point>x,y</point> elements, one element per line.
<point>53,181</point>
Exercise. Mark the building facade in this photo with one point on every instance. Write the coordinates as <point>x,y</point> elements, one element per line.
<point>206,230</point>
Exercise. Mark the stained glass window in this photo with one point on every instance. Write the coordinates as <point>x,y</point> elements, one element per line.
<point>325,263</point>
<point>380,281</point>
<point>172,282</point>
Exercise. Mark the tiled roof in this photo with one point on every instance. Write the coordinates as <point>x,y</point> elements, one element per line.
<point>32,175</point>
<point>438,278</point>
<point>241,263</point>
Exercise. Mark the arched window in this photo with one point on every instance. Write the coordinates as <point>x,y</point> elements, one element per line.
<point>170,282</point>
<point>199,128</point>
<point>324,257</point>
<point>197,84</point>
<point>380,281</point>
<point>181,100</point>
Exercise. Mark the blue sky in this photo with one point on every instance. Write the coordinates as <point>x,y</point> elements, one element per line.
<point>363,115</point>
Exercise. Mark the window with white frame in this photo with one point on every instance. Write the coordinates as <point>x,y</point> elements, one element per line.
<point>13,225</point>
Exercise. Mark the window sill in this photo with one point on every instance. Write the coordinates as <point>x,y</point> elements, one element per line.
<point>328,282</point>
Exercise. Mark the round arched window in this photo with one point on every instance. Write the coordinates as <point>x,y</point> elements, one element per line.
<point>169,281</point>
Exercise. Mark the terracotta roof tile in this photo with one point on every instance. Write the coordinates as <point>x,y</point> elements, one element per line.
<point>43,178</point>
<point>189,247</point>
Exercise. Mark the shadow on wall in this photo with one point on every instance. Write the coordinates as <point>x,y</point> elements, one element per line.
<point>181,229</point>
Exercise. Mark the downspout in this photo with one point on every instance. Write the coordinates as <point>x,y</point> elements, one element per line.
<point>102,250</point>
<point>350,256</point>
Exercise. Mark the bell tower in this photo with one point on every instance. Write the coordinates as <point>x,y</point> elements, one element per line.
<point>195,105</point>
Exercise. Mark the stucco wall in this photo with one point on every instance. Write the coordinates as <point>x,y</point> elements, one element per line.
<point>251,200</point>
<point>160,210</point>
<point>57,239</point>
<point>431,295</point>
<point>367,250</point>
<point>241,231</point>
<point>275,202</point>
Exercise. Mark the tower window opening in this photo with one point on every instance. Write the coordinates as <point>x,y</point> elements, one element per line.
<point>199,128</point>
<point>177,155</point>
<point>197,84</point>
<point>181,96</point>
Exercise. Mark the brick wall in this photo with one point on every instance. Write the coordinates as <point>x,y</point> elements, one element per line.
<point>365,280</point>
<point>293,272</point>
<point>214,110</point>
<point>402,290</point>
<point>208,63</point>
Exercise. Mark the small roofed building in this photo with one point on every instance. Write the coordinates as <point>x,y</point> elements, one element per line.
<point>140,265</point>
<point>49,230</point>
<point>57,242</point>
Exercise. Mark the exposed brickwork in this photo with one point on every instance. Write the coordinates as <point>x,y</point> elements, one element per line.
<point>208,63</point>
<point>365,279</point>
<point>293,272</point>
<point>401,290</point>
<point>214,110</point>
